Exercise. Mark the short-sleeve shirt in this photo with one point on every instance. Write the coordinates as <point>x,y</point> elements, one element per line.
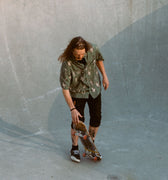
<point>82,79</point>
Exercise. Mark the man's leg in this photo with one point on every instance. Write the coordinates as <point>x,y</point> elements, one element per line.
<point>95,115</point>
<point>80,105</point>
<point>74,138</point>
<point>93,131</point>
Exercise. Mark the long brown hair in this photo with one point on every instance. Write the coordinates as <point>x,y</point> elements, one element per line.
<point>76,42</point>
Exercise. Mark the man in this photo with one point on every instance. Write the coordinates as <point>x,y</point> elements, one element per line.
<point>80,82</point>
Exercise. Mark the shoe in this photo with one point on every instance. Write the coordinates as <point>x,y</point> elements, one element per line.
<point>75,155</point>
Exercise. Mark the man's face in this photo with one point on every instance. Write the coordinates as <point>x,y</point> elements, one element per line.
<point>79,54</point>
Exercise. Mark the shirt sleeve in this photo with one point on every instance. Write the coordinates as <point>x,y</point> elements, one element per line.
<point>65,75</point>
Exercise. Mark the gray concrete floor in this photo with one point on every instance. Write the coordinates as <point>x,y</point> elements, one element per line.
<point>34,118</point>
<point>132,149</point>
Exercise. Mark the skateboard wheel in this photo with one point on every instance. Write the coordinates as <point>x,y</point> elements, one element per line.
<point>84,154</point>
<point>85,137</point>
<point>95,159</point>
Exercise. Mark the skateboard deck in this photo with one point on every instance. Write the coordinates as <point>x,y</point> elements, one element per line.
<point>89,146</point>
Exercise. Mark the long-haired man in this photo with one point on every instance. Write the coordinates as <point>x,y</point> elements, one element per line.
<point>81,84</point>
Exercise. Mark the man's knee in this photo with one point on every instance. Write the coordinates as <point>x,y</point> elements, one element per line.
<point>96,122</point>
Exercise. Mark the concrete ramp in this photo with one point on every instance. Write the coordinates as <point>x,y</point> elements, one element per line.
<point>137,63</point>
<point>34,118</point>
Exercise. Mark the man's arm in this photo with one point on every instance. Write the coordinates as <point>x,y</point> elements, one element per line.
<point>68,98</point>
<point>74,113</point>
<point>101,68</point>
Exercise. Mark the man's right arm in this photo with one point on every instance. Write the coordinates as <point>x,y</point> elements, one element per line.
<point>68,98</point>
<point>74,113</point>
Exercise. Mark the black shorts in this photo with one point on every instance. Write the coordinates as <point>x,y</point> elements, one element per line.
<point>94,109</point>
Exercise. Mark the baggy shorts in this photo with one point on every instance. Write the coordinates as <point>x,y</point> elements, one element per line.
<point>94,109</point>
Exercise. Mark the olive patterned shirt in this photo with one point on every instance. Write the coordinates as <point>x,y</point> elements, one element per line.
<point>82,79</point>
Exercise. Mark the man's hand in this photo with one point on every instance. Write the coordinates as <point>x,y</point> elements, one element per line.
<point>105,82</point>
<point>75,116</point>
<point>74,113</point>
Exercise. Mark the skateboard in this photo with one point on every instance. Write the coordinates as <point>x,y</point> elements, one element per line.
<point>89,146</point>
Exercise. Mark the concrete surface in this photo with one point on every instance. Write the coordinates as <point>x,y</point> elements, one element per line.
<point>34,118</point>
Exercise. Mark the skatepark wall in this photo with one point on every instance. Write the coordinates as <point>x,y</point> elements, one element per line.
<point>132,36</point>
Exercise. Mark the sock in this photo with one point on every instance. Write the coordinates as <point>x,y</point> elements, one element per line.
<point>74,147</point>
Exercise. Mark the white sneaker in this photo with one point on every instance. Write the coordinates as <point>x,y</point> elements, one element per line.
<point>75,155</point>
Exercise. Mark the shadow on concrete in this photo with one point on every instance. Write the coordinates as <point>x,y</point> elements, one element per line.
<point>59,121</point>
<point>20,136</point>
<point>137,64</point>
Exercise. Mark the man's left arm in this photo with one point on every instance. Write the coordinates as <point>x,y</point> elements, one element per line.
<point>101,68</point>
